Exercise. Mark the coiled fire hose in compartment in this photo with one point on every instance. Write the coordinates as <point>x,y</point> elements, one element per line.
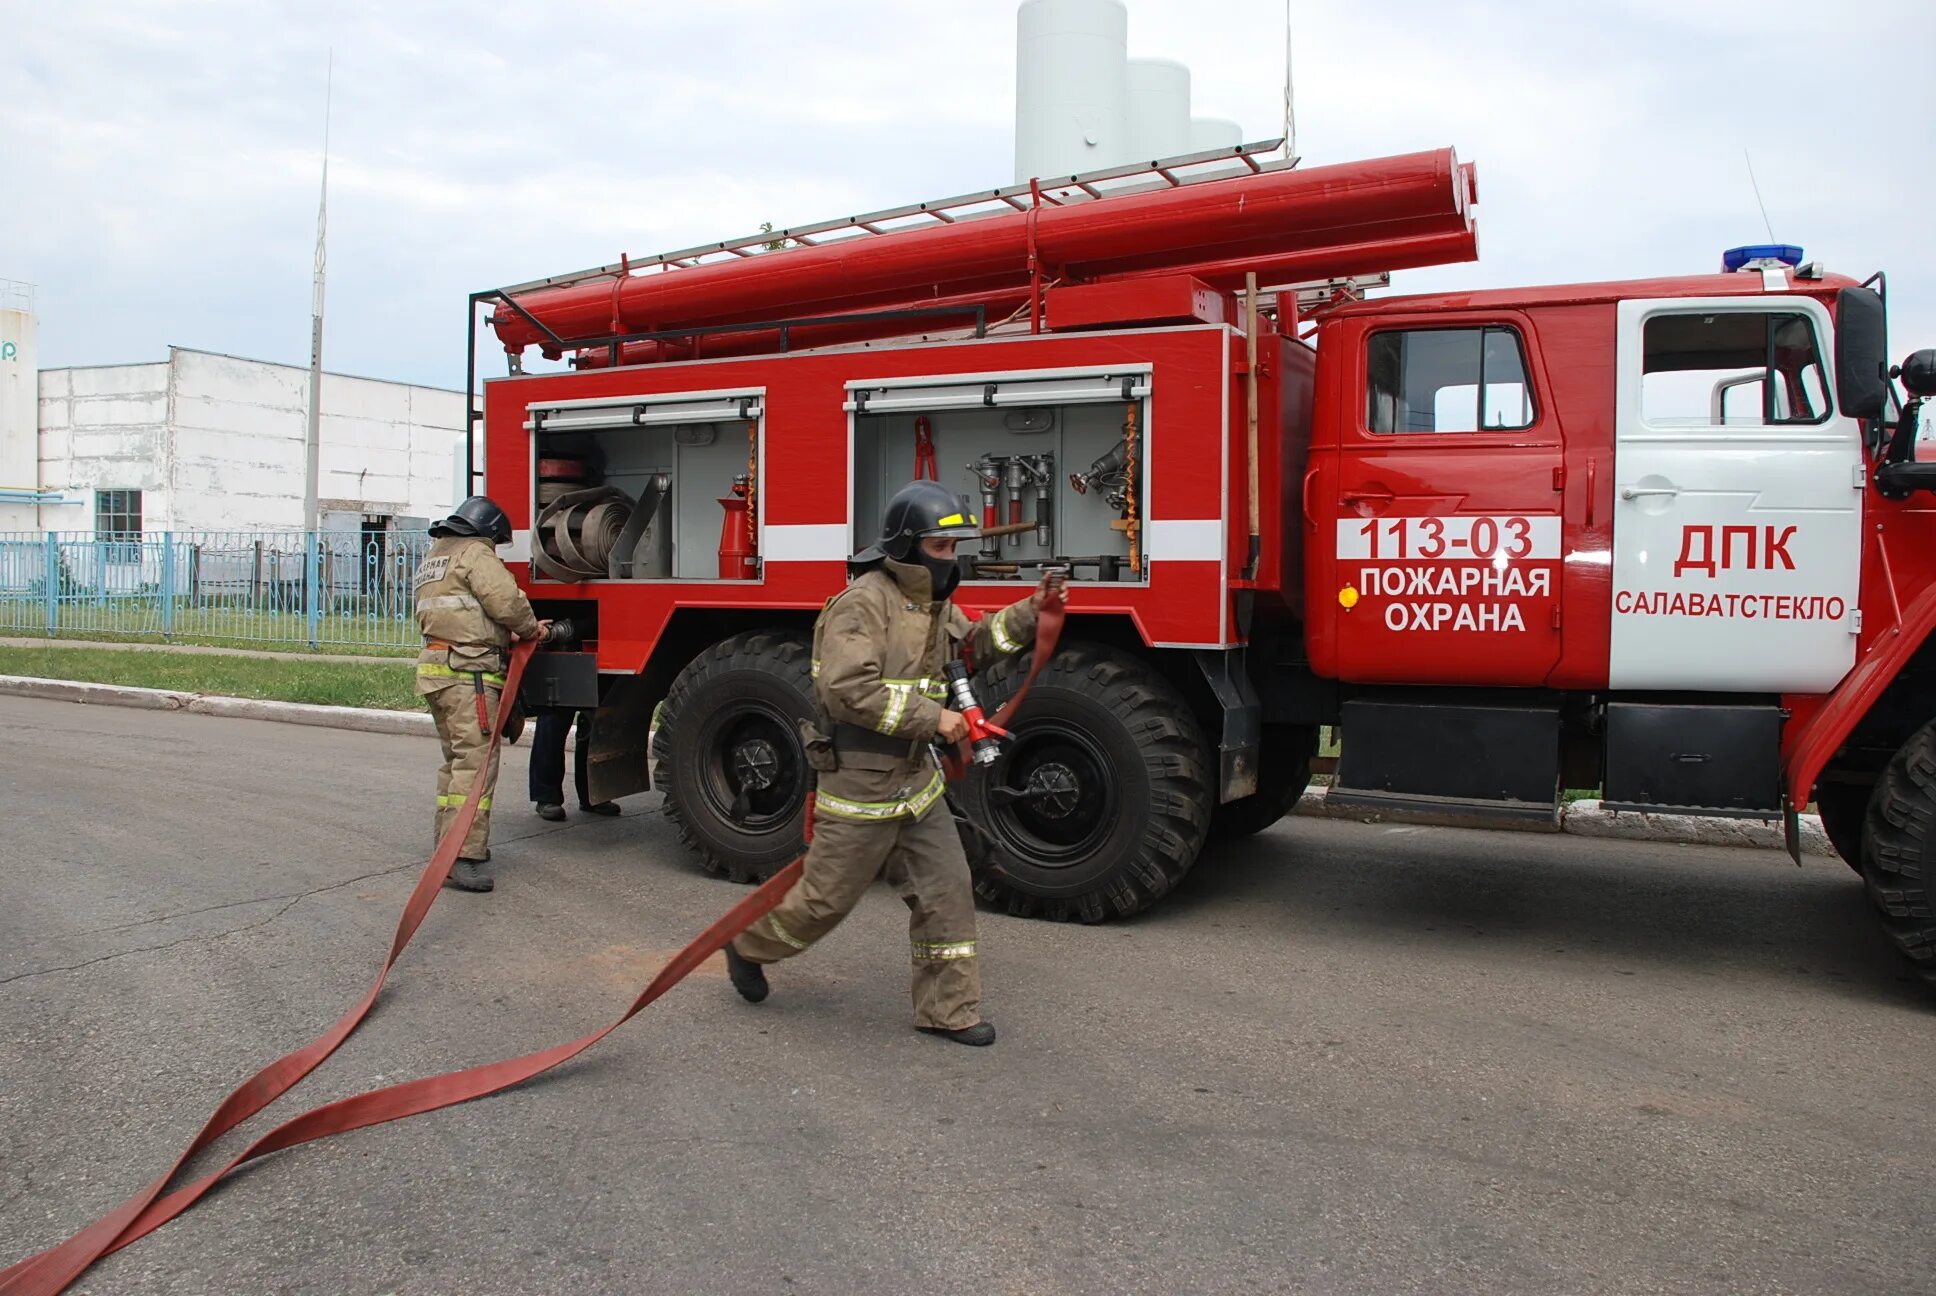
<point>560,475</point>
<point>603,533</point>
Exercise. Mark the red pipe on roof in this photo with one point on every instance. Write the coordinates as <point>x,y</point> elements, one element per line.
<point>1313,265</point>
<point>960,313</point>
<point>1253,216</point>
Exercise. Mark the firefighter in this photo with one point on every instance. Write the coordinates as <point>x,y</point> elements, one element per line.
<point>469,610</point>
<point>879,649</point>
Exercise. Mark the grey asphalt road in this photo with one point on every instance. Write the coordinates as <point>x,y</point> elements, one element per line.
<point>1345,1058</point>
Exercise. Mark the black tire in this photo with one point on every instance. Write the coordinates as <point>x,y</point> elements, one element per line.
<point>1122,790</point>
<point>1284,756</point>
<point>1899,856</point>
<point>1844,807</point>
<point>729,757</point>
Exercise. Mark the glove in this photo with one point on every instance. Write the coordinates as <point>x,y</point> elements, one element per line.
<point>559,631</point>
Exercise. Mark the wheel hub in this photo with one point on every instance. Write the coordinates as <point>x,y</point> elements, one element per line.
<point>752,777</point>
<point>1053,790</point>
<point>756,764</point>
<point>1052,800</point>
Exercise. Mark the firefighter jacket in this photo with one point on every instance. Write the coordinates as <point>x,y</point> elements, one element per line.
<point>879,649</point>
<point>469,610</point>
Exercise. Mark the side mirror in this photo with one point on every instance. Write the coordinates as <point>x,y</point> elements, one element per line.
<point>1861,353</point>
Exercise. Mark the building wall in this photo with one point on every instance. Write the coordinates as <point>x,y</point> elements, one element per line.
<point>103,428</point>
<point>215,442</point>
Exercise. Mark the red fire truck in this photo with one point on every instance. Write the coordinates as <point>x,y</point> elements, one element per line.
<point>1664,538</point>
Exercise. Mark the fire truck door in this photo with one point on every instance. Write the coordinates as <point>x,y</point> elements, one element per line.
<point>1737,536</point>
<point>1448,511</point>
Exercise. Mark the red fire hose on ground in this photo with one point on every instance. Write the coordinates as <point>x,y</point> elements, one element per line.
<point>55,1269</point>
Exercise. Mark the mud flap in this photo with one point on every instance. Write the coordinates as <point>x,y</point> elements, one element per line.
<point>1242,715</point>
<point>1791,826</point>
<point>619,758</point>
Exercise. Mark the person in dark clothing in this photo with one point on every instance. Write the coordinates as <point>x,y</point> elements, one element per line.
<point>547,770</point>
<point>548,764</point>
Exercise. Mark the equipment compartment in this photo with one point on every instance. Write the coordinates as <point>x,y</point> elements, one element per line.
<point>649,488</point>
<point>1055,470</point>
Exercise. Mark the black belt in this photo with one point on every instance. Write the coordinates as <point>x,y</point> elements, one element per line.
<point>855,738</point>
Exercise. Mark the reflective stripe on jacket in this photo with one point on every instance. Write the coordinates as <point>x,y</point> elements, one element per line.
<point>879,652</point>
<point>469,609</point>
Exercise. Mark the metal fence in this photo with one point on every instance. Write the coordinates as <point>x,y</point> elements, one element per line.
<point>337,588</point>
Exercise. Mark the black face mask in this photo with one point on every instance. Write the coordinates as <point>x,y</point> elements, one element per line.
<point>943,573</point>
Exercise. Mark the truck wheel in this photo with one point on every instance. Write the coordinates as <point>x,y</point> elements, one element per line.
<point>1843,808</point>
<point>1283,772</point>
<point>1900,859</point>
<point>729,758</point>
<point>1099,805</point>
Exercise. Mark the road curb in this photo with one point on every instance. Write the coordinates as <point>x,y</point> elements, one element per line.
<point>364,719</point>
<point>54,690</point>
<point>1592,819</point>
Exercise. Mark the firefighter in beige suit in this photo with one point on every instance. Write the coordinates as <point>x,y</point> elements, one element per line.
<point>469,610</point>
<point>879,649</point>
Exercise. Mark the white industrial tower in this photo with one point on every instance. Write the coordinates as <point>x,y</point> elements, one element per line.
<point>1083,104</point>
<point>19,408</point>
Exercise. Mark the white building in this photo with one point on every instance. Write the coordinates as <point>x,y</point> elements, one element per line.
<point>203,442</point>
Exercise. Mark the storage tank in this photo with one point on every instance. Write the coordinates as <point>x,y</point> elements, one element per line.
<point>19,408</point>
<point>1214,133</point>
<point>1071,66</point>
<point>1158,109</point>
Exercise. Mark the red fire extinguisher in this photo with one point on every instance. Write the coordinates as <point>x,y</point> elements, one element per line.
<point>736,558</point>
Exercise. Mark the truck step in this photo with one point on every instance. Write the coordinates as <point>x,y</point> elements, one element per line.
<point>1455,812</point>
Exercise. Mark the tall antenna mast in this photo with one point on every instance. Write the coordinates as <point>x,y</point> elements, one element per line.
<point>312,445</point>
<point>1769,225</point>
<point>1290,115</point>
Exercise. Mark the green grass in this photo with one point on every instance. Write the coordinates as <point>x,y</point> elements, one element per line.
<point>352,684</point>
<point>222,628</point>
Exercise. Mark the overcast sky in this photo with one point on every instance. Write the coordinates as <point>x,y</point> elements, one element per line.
<point>159,161</point>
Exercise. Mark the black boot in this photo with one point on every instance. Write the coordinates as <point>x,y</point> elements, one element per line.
<point>980,1034</point>
<point>469,875</point>
<point>602,808</point>
<point>547,810</point>
<point>749,978</point>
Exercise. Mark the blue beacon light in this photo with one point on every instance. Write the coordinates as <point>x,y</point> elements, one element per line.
<point>1736,258</point>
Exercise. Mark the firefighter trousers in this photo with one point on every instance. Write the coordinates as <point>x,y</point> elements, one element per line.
<point>454,708</point>
<point>923,860</point>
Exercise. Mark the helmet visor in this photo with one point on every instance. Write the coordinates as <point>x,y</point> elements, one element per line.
<point>955,526</point>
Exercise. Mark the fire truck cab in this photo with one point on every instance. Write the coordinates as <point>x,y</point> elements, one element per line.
<point>1664,539</point>
<point>1638,498</point>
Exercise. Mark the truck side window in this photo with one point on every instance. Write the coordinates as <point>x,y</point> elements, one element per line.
<point>1447,380</point>
<point>1731,369</point>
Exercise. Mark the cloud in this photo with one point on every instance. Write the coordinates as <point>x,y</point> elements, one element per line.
<point>163,157</point>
